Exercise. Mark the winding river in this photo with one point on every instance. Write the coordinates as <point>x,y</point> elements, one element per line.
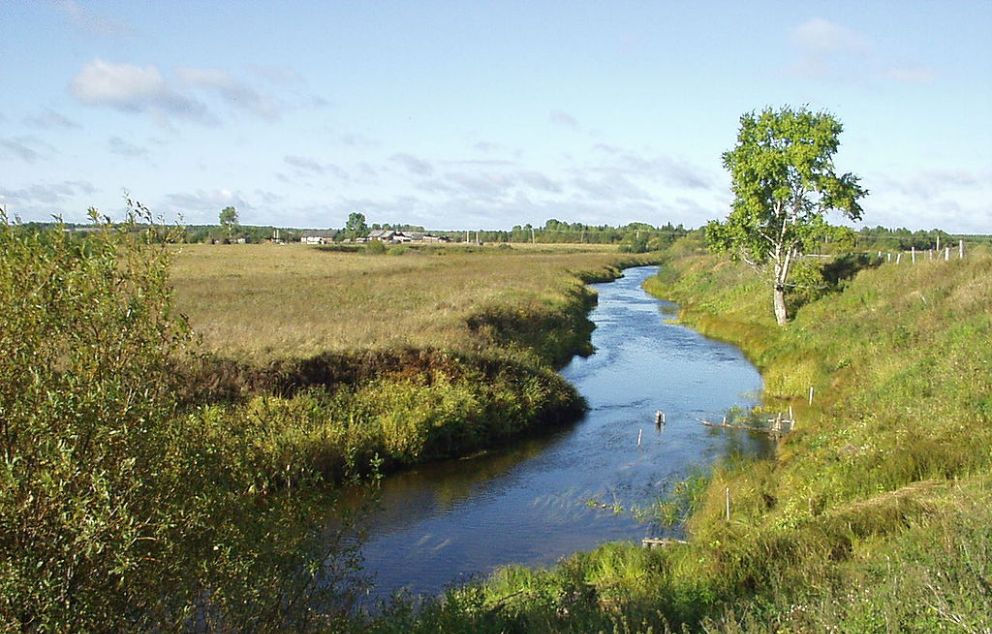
<point>545,498</point>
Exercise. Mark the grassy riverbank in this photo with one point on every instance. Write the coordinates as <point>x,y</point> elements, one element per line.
<point>149,485</point>
<point>331,361</point>
<point>874,515</point>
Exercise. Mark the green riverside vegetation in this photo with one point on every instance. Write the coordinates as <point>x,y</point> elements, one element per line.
<point>873,516</point>
<point>150,482</point>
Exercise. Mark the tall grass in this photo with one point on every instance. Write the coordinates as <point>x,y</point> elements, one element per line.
<point>264,302</point>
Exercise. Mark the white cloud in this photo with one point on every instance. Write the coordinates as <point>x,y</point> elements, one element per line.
<point>308,166</point>
<point>42,200</point>
<point>28,148</point>
<point>823,36</point>
<point>48,119</point>
<point>236,93</point>
<point>121,147</point>
<point>414,165</point>
<point>562,118</point>
<point>91,23</point>
<point>132,88</point>
<point>912,74</point>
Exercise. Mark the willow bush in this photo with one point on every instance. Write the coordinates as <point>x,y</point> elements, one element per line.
<point>116,510</point>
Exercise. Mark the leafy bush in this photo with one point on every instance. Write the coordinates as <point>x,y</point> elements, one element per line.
<point>118,510</point>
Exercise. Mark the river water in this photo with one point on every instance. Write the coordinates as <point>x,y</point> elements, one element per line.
<point>545,498</point>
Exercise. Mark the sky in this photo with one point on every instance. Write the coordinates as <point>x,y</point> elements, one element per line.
<point>457,115</point>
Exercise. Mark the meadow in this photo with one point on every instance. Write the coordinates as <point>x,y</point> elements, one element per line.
<point>263,302</point>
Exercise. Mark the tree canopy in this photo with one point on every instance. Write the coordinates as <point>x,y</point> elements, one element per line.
<point>229,219</point>
<point>356,226</point>
<point>784,182</point>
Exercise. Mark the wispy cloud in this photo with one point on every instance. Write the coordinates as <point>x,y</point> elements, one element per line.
<point>911,74</point>
<point>44,197</point>
<point>130,88</point>
<point>145,89</point>
<point>235,93</point>
<point>414,165</point>
<point>833,52</point>
<point>819,36</point>
<point>91,23</point>
<point>28,148</point>
<point>562,118</point>
<point>307,166</point>
<point>119,146</point>
<point>48,119</point>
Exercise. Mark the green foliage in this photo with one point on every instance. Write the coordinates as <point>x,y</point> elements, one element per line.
<point>229,220</point>
<point>356,227</point>
<point>118,509</point>
<point>375,247</point>
<point>784,182</point>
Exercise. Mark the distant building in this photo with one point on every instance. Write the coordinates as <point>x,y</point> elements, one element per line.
<point>383,235</point>
<point>318,237</point>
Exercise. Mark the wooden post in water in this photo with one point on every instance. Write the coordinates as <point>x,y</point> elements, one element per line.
<point>640,432</point>
<point>659,418</point>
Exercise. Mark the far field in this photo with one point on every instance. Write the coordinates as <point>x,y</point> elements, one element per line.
<point>264,301</point>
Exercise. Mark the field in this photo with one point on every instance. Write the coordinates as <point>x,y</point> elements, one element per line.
<point>264,302</point>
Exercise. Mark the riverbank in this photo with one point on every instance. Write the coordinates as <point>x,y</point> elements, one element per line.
<point>503,321</point>
<point>874,513</point>
<point>540,499</point>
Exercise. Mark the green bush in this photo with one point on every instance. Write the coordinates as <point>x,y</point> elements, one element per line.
<point>118,509</point>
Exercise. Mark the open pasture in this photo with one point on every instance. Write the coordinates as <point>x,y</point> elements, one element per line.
<point>267,301</point>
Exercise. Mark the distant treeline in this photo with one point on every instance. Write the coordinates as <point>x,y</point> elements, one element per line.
<point>635,237</point>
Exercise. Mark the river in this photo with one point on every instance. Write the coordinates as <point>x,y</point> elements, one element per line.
<point>545,498</point>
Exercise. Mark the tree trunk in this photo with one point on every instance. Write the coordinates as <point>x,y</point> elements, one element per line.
<point>781,274</point>
<point>781,314</point>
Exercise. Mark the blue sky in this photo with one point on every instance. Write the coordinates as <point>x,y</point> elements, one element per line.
<point>481,114</point>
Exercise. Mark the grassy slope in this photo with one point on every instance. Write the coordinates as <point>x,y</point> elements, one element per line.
<point>875,516</point>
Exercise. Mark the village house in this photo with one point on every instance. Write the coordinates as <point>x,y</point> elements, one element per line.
<point>318,237</point>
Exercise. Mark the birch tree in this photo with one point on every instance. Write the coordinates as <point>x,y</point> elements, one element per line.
<point>784,183</point>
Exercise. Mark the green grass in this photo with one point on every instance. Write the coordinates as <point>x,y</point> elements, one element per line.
<point>874,514</point>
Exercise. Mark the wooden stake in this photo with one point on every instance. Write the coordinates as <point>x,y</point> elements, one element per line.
<point>960,249</point>
<point>914,255</point>
<point>947,254</point>
<point>898,257</point>
<point>811,395</point>
<point>640,432</point>
<point>727,494</point>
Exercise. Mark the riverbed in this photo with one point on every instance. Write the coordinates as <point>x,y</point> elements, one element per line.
<point>542,499</point>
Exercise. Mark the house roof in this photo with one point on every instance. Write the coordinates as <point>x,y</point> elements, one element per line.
<point>324,233</point>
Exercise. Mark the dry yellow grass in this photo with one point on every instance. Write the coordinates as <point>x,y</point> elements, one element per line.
<point>267,301</point>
